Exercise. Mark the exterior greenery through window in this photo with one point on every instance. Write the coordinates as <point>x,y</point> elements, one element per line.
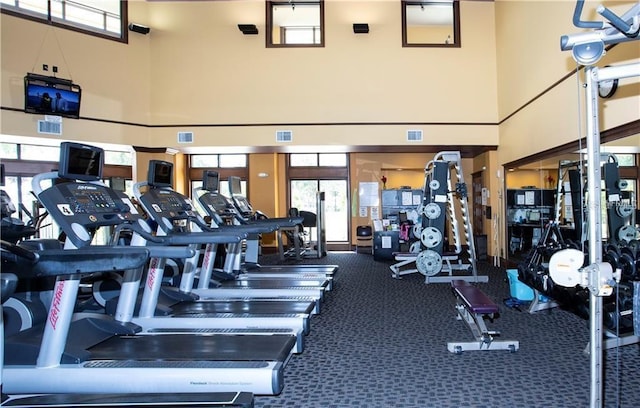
<point>309,173</point>
<point>103,18</point>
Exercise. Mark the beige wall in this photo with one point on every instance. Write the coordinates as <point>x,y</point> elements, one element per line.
<point>114,78</point>
<point>529,60</point>
<point>196,68</point>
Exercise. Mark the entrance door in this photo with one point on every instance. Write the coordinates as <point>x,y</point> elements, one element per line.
<point>303,197</point>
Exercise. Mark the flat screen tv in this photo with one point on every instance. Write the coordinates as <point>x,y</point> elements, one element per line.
<point>235,187</point>
<point>51,96</point>
<point>160,173</point>
<point>210,181</point>
<point>80,162</point>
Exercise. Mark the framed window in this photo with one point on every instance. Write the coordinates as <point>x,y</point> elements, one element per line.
<point>204,160</point>
<point>434,23</point>
<point>211,161</point>
<point>8,150</point>
<point>35,152</point>
<point>103,18</point>
<point>318,160</point>
<point>118,158</point>
<point>295,23</point>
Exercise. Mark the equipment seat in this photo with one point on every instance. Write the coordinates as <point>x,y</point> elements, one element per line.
<point>473,305</point>
<point>473,298</point>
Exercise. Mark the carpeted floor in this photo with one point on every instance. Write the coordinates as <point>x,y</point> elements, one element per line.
<point>381,342</point>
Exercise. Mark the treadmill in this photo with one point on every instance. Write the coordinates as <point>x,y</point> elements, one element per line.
<point>222,211</point>
<point>246,215</point>
<point>104,355</point>
<point>24,263</point>
<point>172,210</point>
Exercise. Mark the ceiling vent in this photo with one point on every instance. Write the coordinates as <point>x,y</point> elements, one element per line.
<point>414,135</point>
<point>284,136</point>
<point>49,127</point>
<point>185,137</point>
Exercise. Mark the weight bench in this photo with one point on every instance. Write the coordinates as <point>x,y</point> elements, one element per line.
<point>473,306</point>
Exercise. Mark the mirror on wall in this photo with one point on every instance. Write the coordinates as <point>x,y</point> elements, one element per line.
<point>431,23</point>
<point>554,188</point>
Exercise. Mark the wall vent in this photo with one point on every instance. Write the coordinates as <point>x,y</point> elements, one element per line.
<point>283,136</point>
<point>49,127</point>
<point>414,135</point>
<point>185,137</point>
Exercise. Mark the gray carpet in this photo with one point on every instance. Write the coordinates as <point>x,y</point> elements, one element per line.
<point>381,342</point>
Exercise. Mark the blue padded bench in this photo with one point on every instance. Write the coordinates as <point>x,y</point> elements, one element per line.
<point>473,305</point>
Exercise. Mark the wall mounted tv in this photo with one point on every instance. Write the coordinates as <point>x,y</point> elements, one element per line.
<point>51,96</point>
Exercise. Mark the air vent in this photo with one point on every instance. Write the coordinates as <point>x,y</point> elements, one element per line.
<point>185,137</point>
<point>414,135</point>
<point>284,136</point>
<point>50,128</point>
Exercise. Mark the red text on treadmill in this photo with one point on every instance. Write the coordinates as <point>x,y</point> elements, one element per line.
<point>54,314</point>
<point>153,269</point>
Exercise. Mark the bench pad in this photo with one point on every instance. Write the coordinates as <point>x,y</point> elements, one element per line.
<point>474,299</point>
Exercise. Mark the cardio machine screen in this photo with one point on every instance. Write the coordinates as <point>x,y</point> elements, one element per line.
<point>210,181</point>
<point>80,162</point>
<point>160,173</point>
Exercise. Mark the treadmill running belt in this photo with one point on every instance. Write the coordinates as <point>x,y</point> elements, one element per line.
<point>244,307</point>
<point>179,347</point>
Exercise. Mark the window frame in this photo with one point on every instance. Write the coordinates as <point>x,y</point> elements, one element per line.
<point>69,25</point>
<point>457,43</point>
<point>269,24</point>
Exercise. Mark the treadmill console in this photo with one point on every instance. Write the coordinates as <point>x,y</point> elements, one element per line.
<point>217,204</point>
<point>243,206</point>
<point>78,207</point>
<point>165,206</point>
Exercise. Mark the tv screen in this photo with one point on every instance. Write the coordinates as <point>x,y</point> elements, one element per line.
<point>2,175</point>
<point>210,181</point>
<point>235,188</point>
<point>160,173</point>
<point>51,96</point>
<point>80,162</point>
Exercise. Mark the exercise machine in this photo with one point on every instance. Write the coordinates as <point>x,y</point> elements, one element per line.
<point>444,197</point>
<point>587,48</point>
<point>67,355</point>
<point>222,212</point>
<point>246,214</point>
<point>22,262</point>
<point>167,207</point>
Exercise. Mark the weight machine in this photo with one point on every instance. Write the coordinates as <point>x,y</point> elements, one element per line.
<point>444,197</point>
<point>587,49</point>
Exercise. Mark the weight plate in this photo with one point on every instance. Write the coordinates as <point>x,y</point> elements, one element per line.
<point>432,211</point>
<point>415,247</point>
<point>431,237</point>
<point>613,258</point>
<point>417,230</point>
<point>628,265</point>
<point>624,210</point>
<point>434,184</point>
<point>429,262</point>
<point>627,233</point>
